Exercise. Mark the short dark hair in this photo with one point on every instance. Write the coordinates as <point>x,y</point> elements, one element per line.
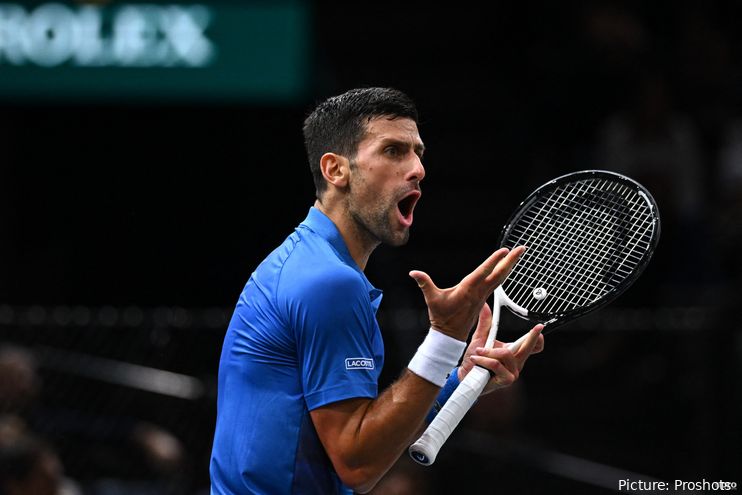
<point>338,124</point>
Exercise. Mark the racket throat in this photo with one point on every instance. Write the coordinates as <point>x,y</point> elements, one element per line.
<point>496,306</point>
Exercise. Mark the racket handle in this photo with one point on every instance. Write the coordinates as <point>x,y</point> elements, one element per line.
<point>425,449</point>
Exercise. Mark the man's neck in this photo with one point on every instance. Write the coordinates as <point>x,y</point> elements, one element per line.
<point>359,243</point>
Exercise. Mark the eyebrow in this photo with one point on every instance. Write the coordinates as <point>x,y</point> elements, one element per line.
<point>418,147</point>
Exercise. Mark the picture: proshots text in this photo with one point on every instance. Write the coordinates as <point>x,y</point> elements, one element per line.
<point>676,485</point>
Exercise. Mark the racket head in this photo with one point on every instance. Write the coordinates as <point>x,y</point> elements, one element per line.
<point>588,234</point>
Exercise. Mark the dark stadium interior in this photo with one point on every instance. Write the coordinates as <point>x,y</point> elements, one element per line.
<point>129,227</point>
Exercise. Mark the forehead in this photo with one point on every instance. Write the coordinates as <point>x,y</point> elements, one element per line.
<point>382,128</point>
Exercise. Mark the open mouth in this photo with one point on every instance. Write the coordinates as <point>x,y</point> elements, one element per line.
<point>406,206</point>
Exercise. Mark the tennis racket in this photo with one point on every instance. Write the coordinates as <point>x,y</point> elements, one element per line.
<point>588,236</point>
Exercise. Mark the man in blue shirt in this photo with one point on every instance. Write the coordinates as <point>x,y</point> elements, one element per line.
<point>298,410</point>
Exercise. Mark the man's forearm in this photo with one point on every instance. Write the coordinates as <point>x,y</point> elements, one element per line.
<point>364,437</point>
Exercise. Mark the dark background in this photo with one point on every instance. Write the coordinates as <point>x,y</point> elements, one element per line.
<point>129,229</point>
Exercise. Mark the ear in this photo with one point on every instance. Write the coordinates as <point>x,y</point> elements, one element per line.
<point>335,169</point>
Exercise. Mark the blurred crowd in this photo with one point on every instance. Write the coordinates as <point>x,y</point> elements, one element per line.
<point>121,455</point>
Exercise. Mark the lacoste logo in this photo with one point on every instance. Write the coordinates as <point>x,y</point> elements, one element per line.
<point>359,364</point>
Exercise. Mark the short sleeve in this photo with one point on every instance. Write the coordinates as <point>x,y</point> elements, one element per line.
<point>335,328</point>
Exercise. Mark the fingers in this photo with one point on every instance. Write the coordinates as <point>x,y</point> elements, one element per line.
<point>503,376</point>
<point>528,346</point>
<point>502,355</point>
<point>539,345</point>
<point>484,323</point>
<point>495,269</point>
<point>504,266</point>
<point>482,331</point>
<point>505,364</point>
<point>424,282</point>
<point>485,269</point>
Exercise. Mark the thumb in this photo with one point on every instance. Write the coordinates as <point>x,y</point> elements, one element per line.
<point>424,282</point>
<point>484,323</point>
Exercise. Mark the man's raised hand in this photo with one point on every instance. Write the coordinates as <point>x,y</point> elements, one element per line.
<point>453,311</point>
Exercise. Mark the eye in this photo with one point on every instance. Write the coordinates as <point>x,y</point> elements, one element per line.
<point>392,151</point>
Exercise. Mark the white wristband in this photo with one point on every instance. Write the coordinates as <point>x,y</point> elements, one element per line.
<point>436,356</point>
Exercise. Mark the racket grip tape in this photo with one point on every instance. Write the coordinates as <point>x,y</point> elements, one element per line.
<point>426,448</point>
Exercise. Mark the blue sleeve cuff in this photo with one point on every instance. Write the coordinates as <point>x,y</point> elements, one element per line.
<point>341,392</point>
<point>451,383</point>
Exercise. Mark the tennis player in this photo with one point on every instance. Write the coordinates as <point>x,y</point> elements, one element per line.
<point>298,410</point>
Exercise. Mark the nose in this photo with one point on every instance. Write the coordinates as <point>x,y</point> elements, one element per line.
<point>417,173</point>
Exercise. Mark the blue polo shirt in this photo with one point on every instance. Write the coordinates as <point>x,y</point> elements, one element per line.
<point>304,334</point>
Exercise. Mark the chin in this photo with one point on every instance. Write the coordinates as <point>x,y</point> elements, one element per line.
<point>398,240</point>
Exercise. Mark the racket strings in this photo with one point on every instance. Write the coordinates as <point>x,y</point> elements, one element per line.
<point>589,260</point>
<point>583,239</point>
<point>641,237</point>
<point>582,256</point>
<point>578,248</point>
<point>588,282</point>
<point>569,252</point>
<point>581,244</point>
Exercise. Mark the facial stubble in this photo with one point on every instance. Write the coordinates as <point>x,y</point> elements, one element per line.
<point>374,220</point>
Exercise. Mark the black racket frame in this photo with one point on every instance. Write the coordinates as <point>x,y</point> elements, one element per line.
<point>558,319</point>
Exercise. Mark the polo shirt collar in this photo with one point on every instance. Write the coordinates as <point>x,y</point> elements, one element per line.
<point>320,224</point>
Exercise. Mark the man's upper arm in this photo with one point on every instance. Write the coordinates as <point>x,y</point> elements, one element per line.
<point>335,329</point>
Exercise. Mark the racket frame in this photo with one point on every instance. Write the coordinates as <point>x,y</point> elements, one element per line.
<point>556,320</point>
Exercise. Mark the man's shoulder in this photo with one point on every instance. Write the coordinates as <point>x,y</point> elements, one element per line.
<point>319,276</point>
<point>313,266</point>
